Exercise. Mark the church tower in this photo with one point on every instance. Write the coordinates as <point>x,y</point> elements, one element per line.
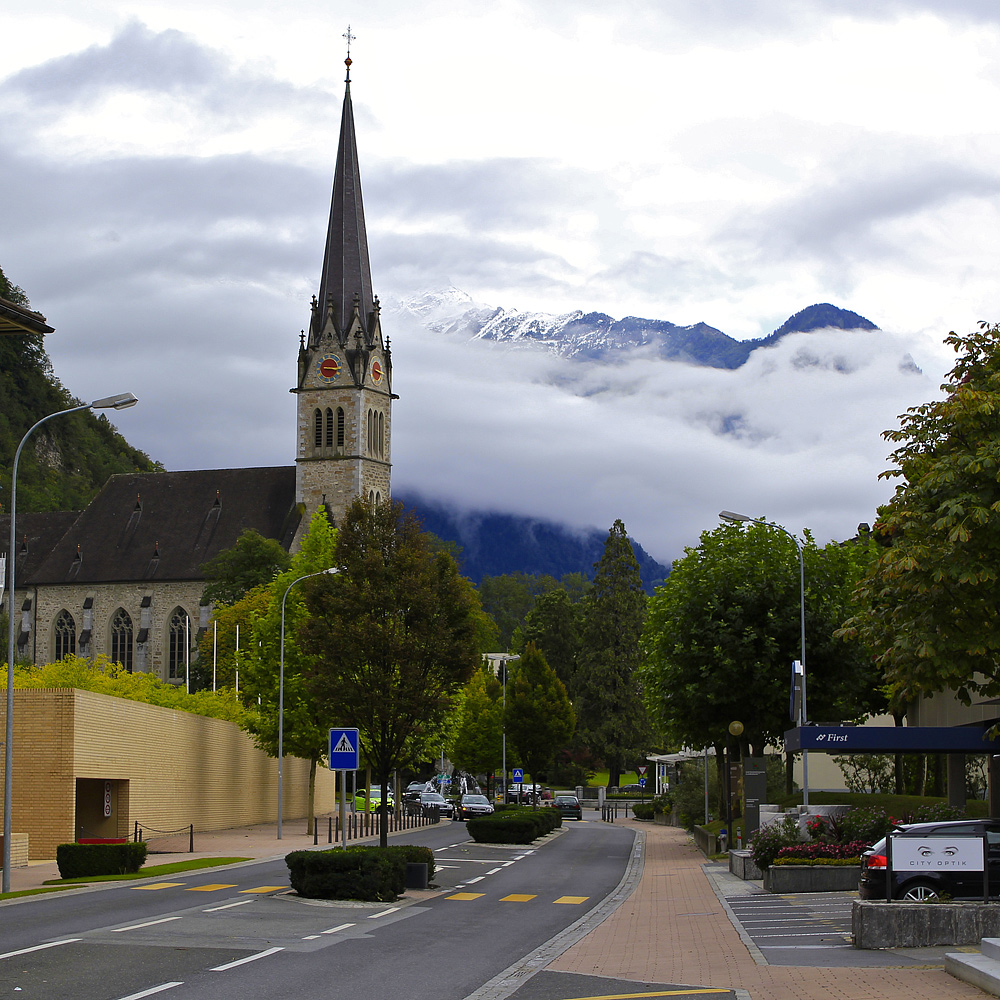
<point>344,411</point>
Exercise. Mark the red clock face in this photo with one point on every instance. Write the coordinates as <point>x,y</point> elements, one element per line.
<point>329,368</point>
<point>377,373</point>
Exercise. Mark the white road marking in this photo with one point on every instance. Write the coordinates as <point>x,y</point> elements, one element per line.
<point>493,871</point>
<point>150,992</point>
<point>478,878</point>
<point>375,916</point>
<point>339,927</point>
<point>249,958</point>
<point>239,902</point>
<point>40,947</point>
<point>148,923</point>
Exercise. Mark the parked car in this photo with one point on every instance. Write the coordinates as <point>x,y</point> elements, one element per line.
<point>931,884</point>
<point>435,800</point>
<point>474,805</point>
<point>371,800</point>
<point>569,806</point>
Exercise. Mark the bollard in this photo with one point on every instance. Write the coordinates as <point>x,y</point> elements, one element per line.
<point>315,830</point>
<point>329,835</point>
<point>191,840</point>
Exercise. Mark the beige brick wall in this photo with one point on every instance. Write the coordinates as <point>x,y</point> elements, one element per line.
<point>179,768</point>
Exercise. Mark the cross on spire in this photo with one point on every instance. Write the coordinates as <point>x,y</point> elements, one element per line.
<point>347,62</point>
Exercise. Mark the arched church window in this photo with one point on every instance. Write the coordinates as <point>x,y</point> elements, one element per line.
<point>368,437</point>
<point>121,639</point>
<point>378,497</point>
<point>318,426</point>
<point>65,634</point>
<point>329,427</point>
<point>371,497</point>
<point>381,435</point>
<point>180,625</point>
<point>340,427</point>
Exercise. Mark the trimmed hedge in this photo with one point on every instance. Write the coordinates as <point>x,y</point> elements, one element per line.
<point>371,873</point>
<point>817,862</point>
<point>514,826</point>
<point>85,860</point>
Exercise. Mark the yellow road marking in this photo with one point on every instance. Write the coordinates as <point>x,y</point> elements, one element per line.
<point>663,993</point>
<point>158,885</point>
<point>466,895</point>
<point>574,899</point>
<point>265,888</point>
<point>517,897</point>
<point>211,887</point>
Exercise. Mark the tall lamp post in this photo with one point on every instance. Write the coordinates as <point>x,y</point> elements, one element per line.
<point>119,402</point>
<point>503,723</point>
<point>281,694</point>
<point>729,515</point>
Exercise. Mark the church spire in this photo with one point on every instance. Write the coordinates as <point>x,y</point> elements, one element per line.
<point>346,273</point>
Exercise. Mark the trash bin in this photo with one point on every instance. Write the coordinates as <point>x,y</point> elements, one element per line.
<point>416,874</point>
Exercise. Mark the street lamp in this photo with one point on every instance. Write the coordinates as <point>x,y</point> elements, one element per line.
<point>503,723</point>
<point>728,515</point>
<point>281,692</point>
<point>119,402</point>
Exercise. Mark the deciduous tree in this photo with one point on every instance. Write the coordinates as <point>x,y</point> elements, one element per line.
<point>252,561</point>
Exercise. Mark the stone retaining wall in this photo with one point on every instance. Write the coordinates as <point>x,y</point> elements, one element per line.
<point>812,878</point>
<point>922,925</point>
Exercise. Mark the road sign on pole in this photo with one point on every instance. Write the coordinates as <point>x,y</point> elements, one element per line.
<point>517,775</point>
<point>642,782</point>
<point>344,752</point>
<point>642,768</point>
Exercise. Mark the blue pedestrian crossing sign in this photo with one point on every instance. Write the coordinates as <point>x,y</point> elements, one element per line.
<point>344,745</point>
<point>518,774</point>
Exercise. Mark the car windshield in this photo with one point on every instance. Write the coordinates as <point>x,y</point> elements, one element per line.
<point>475,800</point>
<point>566,800</point>
<point>431,797</point>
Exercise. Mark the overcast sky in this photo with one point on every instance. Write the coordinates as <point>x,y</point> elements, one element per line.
<point>166,180</point>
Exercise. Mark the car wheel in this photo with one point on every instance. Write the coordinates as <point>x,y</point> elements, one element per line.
<point>919,892</point>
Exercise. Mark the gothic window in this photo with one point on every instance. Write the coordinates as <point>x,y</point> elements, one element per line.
<point>368,439</point>
<point>121,639</point>
<point>340,427</point>
<point>318,423</point>
<point>65,634</point>
<point>329,427</point>
<point>381,435</point>
<point>371,497</point>
<point>176,661</point>
<point>378,498</point>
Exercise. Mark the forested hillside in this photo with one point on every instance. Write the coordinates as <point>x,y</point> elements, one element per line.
<point>68,460</point>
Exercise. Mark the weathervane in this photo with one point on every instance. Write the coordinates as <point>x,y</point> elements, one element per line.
<point>347,62</point>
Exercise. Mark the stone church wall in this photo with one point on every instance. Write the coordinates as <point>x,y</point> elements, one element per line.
<point>168,769</point>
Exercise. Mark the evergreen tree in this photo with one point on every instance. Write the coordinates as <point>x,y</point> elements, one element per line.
<point>477,742</point>
<point>554,625</point>
<point>609,703</point>
<point>540,718</point>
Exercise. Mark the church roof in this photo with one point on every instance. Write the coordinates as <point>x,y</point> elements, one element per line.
<point>165,525</point>
<point>346,269</point>
<point>37,534</point>
<point>17,319</point>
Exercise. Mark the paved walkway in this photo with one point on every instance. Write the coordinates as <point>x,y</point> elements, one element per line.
<point>673,929</point>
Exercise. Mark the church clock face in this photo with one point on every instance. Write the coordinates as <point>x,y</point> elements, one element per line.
<point>329,368</point>
<point>378,372</point>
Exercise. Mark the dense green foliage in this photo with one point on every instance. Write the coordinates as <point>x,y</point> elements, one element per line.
<point>81,860</point>
<point>725,627</point>
<point>611,714</point>
<point>555,626</point>
<point>105,677</point>
<point>930,601</point>
<point>514,826</point>
<point>540,719</point>
<point>476,742</point>
<point>67,460</point>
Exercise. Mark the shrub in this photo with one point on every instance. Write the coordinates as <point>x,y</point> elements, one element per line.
<point>815,851</point>
<point>513,826</point>
<point>368,873</point>
<point>84,860</point>
<point>830,862</point>
<point>415,854</point>
<point>643,810</point>
<point>769,840</point>
<point>867,823</point>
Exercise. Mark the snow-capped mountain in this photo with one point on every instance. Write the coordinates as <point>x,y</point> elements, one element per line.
<point>594,336</point>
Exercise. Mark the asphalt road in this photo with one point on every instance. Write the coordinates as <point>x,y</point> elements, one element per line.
<point>239,933</point>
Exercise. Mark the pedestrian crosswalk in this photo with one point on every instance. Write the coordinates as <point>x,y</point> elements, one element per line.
<point>517,897</point>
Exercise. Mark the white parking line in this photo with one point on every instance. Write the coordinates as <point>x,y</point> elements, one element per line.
<point>40,947</point>
<point>150,992</point>
<point>148,923</point>
<point>243,961</point>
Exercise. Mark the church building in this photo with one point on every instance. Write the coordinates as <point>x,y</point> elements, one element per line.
<point>123,578</point>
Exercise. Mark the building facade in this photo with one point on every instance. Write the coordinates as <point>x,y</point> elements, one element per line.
<point>123,578</point>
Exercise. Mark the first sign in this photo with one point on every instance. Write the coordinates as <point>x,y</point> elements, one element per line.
<point>344,750</point>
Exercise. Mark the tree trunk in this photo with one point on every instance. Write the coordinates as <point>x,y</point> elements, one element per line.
<point>720,772</point>
<point>312,797</point>
<point>789,773</point>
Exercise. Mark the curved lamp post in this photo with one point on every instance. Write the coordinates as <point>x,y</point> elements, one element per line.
<point>281,692</point>
<point>119,402</point>
<point>729,515</point>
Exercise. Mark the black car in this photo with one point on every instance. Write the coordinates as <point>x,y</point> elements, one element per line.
<point>568,805</point>
<point>927,883</point>
<point>435,800</point>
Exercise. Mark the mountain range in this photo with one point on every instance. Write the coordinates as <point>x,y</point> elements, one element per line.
<point>594,336</point>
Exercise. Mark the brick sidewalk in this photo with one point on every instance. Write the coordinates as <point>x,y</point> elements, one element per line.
<point>674,930</point>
